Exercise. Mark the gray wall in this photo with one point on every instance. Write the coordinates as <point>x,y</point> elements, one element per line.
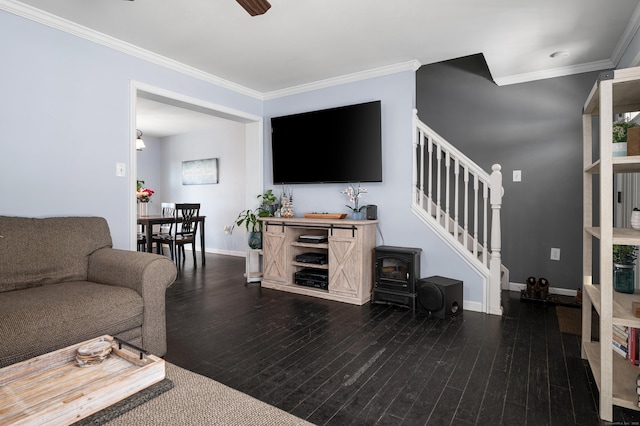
<point>535,127</point>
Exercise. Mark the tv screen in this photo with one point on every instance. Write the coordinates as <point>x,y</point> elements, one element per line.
<point>341,144</point>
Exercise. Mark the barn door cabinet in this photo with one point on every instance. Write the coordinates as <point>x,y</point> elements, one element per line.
<point>349,248</point>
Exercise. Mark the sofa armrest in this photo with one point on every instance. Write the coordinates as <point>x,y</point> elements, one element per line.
<point>149,275</point>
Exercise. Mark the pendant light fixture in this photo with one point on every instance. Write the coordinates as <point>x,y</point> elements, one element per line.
<point>139,142</point>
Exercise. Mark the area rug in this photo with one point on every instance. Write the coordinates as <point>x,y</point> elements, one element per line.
<point>198,400</point>
<point>570,321</point>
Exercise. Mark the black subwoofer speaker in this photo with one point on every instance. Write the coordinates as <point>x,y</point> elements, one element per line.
<point>439,296</point>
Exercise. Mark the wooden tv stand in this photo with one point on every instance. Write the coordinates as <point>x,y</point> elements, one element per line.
<point>349,249</point>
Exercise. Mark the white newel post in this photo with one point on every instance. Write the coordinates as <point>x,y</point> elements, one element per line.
<point>497,190</point>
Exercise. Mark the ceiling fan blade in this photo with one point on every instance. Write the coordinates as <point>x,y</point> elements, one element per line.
<point>255,7</point>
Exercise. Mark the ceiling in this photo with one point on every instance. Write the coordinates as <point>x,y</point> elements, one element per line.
<point>160,119</point>
<point>298,43</point>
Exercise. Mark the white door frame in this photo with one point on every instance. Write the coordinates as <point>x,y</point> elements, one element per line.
<point>254,135</point>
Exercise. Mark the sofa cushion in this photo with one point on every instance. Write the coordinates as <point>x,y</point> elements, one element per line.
<point>36,252</point>
<point>46,318</point>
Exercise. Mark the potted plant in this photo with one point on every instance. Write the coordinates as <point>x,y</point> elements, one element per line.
<point>268,203</point>
<point>250,219</point>
<point>354,195</point>
<point>253,226</point>
<point>624,259</point>
<point>620,130</point>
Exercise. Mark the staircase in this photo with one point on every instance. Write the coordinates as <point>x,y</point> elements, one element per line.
<point>461,203</point>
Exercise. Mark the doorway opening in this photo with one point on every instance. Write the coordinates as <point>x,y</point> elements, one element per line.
<point>253,140</point>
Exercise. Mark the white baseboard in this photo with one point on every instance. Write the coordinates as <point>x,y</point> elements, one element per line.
<point>227,252</point>
<point>219,251</point>
<point>472,306</point>
<point>553,290</point>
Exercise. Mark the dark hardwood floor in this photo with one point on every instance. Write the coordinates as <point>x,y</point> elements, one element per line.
<point>333,363</point>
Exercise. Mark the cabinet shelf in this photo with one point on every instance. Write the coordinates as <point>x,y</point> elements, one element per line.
<point>622,312</point>
<point>630,164</point>
<point>622,236</point>
<point>310,245</point>
<point>310,265</point>
<point>624,376</point>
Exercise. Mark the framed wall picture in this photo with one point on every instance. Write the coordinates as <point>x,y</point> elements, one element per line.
<point>200,172</point>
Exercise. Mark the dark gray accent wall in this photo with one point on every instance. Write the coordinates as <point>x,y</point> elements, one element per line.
<point>535,127</point>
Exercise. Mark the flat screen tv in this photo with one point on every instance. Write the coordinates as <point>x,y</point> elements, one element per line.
<point>342,144</point>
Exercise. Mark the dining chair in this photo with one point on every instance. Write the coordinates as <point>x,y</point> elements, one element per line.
<point>182,232</point>
<point>164,231</point>
<point>186,229</point>
<point>142,241</point>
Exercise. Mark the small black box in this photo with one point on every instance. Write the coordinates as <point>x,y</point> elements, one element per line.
<point>371,212</point>
<point>317,258</point>
<point>310,277</point>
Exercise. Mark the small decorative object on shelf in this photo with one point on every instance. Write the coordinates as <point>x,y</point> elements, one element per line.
<point>620,133</point>
<point>620,129</point>
<point>633,141</point>
<point>354,195</point>
<point>635,218</point>
<point>624,258</point>
<point>286,208</point>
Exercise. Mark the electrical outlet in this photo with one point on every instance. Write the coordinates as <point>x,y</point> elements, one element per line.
<point>555,254</point>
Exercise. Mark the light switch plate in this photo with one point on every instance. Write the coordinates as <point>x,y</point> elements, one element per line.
<point>121,170</point>
<point>517,175</point>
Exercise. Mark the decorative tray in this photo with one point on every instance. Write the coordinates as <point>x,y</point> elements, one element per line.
<point>325,215</point>
<point>54,389</point>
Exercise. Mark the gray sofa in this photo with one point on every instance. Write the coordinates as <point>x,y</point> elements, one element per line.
<point>61,282</point>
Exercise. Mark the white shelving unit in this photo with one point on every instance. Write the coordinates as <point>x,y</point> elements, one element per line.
<point>253,265</point>
<point>614,92</point>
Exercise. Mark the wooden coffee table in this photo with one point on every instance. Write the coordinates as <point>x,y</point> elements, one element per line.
<point>53,389</point>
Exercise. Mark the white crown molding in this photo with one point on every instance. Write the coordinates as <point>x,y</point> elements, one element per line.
<point>53,21</point>
<point>56,22</point>
<point>348,78</point>
<point>627,37</point>
<point>555,72</point>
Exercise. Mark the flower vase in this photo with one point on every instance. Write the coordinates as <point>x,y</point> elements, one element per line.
<point>142,209</point>
<point>357,215</point>
<point>620,149</point>
<point>254,239</point>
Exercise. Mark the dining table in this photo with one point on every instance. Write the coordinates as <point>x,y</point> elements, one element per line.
<point>147,223</point>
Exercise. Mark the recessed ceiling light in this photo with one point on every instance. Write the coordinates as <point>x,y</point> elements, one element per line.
<point>560,54</point>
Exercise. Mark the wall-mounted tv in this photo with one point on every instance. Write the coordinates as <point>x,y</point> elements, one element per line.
<point>342,144</point>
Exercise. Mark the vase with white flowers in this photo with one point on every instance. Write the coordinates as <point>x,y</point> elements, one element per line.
<point>354,194</point>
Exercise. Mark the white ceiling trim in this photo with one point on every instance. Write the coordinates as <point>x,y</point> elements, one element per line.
<point>556,72</point>
<point>627,36</point>
<point>349,78</point>
<point>53,21</point>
